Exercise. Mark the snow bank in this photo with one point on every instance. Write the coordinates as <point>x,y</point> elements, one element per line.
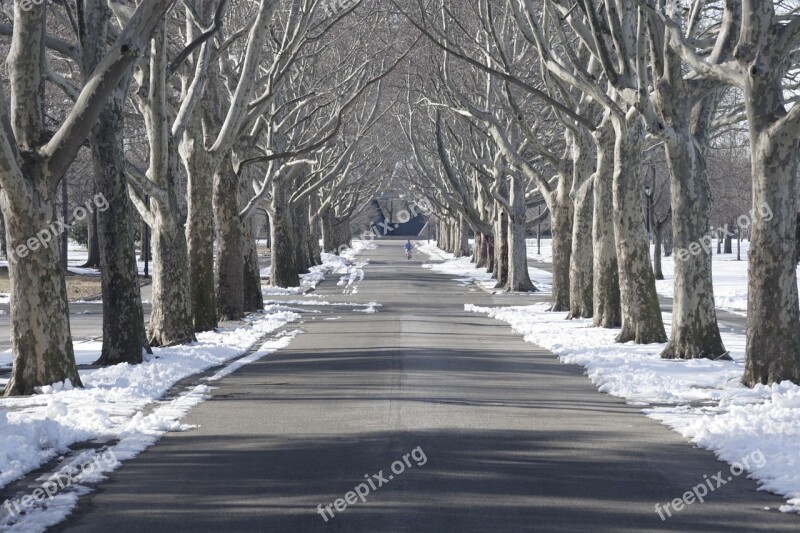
<point>702,400</point>
<point>344,265</point>
<point>466,272</point>
<point>117,403</point>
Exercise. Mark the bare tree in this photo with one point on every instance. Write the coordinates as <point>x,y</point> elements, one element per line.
<point>764,52</point>
<point>31,165</point>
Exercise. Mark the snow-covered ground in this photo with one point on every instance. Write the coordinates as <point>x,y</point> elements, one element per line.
<point>122,409</point>
<point>730,278</point>
<point>345,265</point>
<point>543,252</point>
<point>118,403</point>
<point>702,400</point>
<point>462,267</point>
<point>730,275</point>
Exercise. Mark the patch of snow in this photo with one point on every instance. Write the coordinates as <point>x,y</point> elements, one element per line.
<point>729,278</point>
<point>344,265</point>
<point>467,273</point>
<point>546,254</point>
<point>370,308</point>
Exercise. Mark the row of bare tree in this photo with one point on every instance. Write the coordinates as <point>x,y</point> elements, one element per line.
<point>196,115</point>
<point>200,114</point>
<point>562,101</point>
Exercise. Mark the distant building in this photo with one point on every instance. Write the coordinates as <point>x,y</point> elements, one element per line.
<point>394,217</point>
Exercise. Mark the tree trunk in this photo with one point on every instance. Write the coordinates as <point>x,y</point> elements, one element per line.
<point>316,233</point>
<point>253,298</point>
<point>171,316</point>
<point>539,234</point>
<point>3,246</point>
<point>727,248</point>
<point>581,260</point>
<point>64,238</point>
<point>442,239</point>
<point>658,231</point>
<point>145,255</point>
<point>40,332</point>
<point>773,321</point>
<point>518,277</point>
<point>230,251</point>
<point>93,243</point>
<point>607,311</point>
<point>328,223</point>
<point>501,256</point>
<point>694,332</point>
<point>666,239</point>
<point>343,233</point>
<point>200,228</point>
<point>561,216</point>
<point>123,319</point>
<point>283,269</point>
<point>302,236</point>
<point>488,246</point>
<point>462,239</point>
<point>739,244</point>
<point>641,314</point>
<point>477,250</point>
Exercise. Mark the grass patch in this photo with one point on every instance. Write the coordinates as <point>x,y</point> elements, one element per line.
<point>79,287</point>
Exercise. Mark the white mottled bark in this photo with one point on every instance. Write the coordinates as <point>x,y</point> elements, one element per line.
<point>641,313</point>
<point>607,311</point>
<point>581,258</point>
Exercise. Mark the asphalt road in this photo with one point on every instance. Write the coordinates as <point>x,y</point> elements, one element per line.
<point>512,439</point>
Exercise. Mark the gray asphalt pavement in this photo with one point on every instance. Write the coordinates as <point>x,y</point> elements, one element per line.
<point>512,439</point>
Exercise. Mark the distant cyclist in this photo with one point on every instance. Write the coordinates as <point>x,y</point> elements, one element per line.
<point>408,248</point>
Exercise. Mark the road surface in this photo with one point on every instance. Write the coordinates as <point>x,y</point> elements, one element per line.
<point>491,434</point>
